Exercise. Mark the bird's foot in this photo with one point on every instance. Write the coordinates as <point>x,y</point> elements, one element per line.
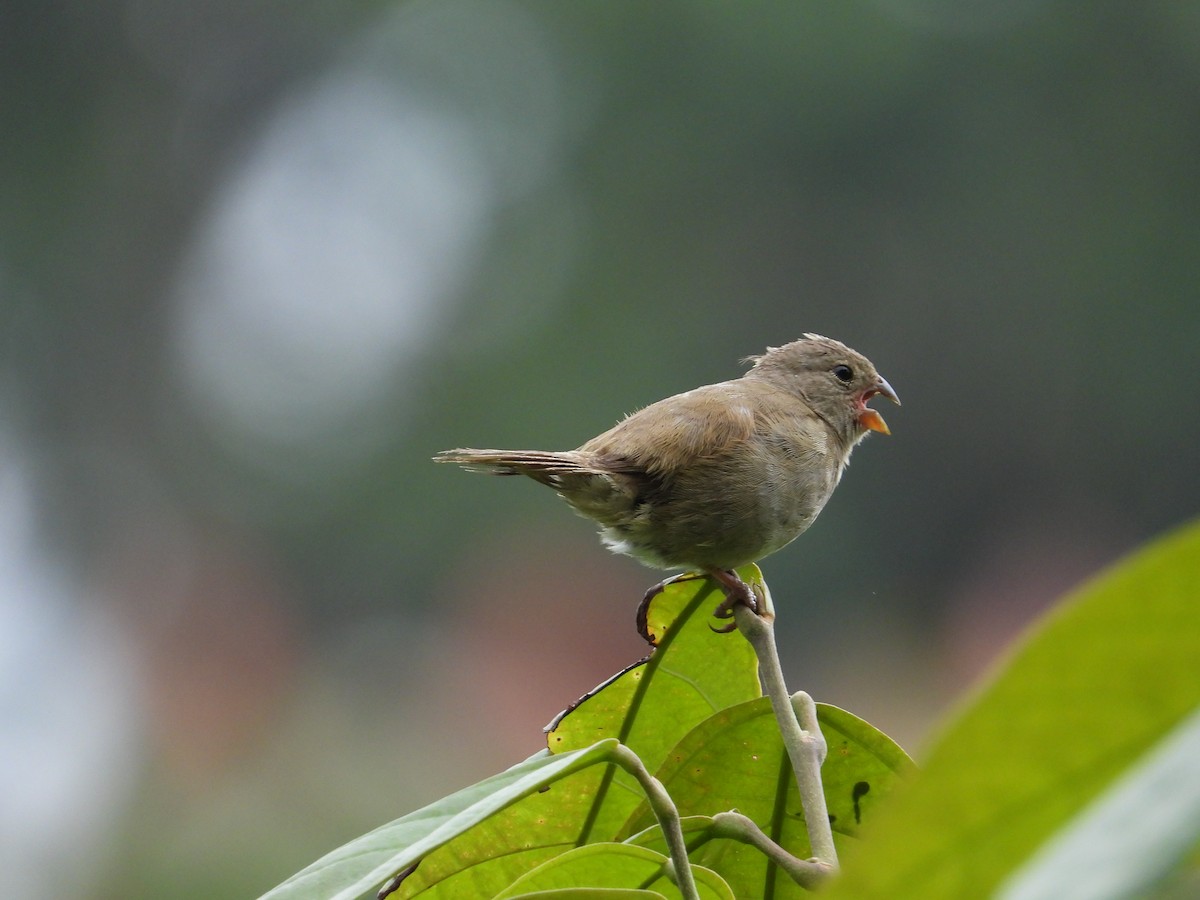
<point>644,607</point>
<point>736,592</point>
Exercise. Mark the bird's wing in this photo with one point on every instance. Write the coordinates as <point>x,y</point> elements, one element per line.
<point>677,432</point>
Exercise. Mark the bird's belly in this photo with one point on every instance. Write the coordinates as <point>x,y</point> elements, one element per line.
<point>730,529</point>
<point>785,515</point>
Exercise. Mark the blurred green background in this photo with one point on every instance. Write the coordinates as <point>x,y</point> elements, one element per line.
<point>258,261</point>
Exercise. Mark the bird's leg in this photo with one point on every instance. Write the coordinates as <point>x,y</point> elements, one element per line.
<point>736,591</point>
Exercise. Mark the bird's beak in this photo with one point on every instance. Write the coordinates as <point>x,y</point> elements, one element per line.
<point>868,417</point>
<point>882,387</point>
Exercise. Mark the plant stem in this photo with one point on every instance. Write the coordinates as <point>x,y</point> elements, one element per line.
<point>805,743</point>
<point>808,873</point>
<point>668,819</point>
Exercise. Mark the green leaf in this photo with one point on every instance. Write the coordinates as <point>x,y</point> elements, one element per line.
<point>592,894</point>
<point>692,671</point>
<point>608,865</point>
<point>736,760</point>
<point>485,859</point>
<point>366,862</point>
<point>1098,856</point>
<point>1100,681</point>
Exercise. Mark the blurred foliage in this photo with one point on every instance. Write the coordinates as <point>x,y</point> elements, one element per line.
<point>1001,213</point>
<point>1080,704</point>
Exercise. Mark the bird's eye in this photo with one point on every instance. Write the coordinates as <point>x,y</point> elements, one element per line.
<point>843,374</point>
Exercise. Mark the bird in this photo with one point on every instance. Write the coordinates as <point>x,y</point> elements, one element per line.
<point>719,476</point>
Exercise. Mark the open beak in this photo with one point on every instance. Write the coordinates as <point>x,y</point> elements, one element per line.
<point>869,418</point>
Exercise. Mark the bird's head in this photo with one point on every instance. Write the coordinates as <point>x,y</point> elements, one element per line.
<point>835,381</point>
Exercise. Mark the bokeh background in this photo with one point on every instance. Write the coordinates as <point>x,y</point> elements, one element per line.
<point>259,261</point>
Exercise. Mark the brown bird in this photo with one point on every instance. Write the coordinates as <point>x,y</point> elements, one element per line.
<point>720,476</point>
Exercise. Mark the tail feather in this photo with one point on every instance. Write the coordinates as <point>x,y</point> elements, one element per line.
<point>537,464</point>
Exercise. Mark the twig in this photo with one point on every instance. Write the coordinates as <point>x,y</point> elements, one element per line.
<point>805,744</point>
<point>808,873</point>
<point>668,819</point>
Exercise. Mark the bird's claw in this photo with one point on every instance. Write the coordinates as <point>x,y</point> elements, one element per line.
<point>725,611</point>
<point>736,592</point>
<point>643,610</point>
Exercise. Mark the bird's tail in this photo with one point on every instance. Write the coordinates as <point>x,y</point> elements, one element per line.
<point>545,466</point>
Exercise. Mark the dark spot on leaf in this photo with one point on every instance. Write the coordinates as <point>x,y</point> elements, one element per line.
<point>543,788</point>
<point>857,793</point>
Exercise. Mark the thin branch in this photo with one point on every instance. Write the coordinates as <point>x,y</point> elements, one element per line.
<point>668,819</point>
<point>808,873</point>
<point>805,744</point>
